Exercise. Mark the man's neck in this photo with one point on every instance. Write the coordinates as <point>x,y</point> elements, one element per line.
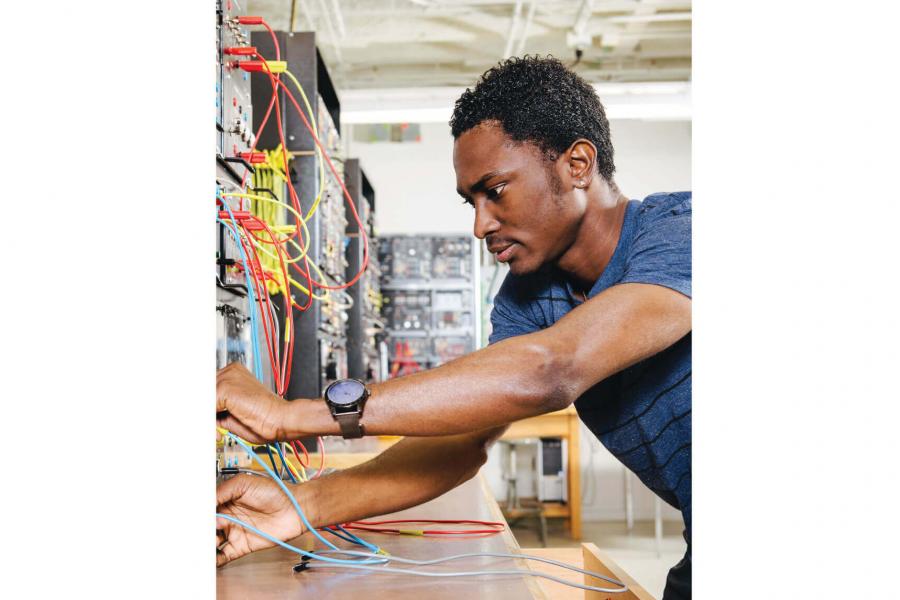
<point>597,237</point>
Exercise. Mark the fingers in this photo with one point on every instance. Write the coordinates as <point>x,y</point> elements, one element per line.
<point>223,376</point>
<point>230,423</point>
<point>227,553</point>
<point>229,490</point>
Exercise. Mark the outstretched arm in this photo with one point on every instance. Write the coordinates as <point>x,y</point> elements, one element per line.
<point>409,473</point>
<point>514,379</point>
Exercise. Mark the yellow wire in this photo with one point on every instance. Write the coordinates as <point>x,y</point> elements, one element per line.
<point>303,251</point>
<point>287,453</point>
<point>312,122</point>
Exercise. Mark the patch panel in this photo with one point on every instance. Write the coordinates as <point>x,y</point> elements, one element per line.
<point>452,310</point>
<point>430,286</point>
<point>405,258</point>
<point>408,310</point>
<point>230,455</point>
<point>367,352</point>
<point>334,218</point>
<point>452,259</point>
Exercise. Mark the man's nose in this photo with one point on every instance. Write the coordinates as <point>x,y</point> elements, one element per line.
<point>485,223</point>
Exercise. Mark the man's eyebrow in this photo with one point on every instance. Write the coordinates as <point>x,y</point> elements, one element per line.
<point>481,184</point>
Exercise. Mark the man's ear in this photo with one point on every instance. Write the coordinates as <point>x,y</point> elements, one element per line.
<point>581,163</point>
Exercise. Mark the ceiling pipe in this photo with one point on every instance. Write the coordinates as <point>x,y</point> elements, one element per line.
<point>517,16</point>
<point>526,29</point>
<point>339,18</point>
<point>335,39</point>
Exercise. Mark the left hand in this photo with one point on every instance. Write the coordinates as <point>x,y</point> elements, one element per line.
<point>247,408</point>
<point>259,502</point>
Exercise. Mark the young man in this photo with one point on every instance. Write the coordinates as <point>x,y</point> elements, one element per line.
<point>596,311</point>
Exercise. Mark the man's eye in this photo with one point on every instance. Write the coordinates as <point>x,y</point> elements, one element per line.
<point>495,192</point>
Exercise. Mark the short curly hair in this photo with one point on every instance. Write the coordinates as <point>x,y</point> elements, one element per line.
<point>537,99</point>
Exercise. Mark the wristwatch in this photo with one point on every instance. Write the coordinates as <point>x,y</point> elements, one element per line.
<point>345,399</point>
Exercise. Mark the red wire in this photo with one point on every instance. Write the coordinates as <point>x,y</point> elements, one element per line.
<point>321,443</point>
<point>289,302</point>
<point>497,527</point>
<point>294,445</point>
<point>265,322</point>
<point>268,320</point>
<point>295,201</point>
<point>266,307</point>
<point>362,229</point>
<point>289,315</point>
<point>265,302</point>
<point>276,81</point>
<point>274,39</point>
<point>269,313</point>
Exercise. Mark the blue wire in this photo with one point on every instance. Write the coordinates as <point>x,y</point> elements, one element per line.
<point>254,324</point>
<point>337,534</point>
<point>272,459</point>
<point>359,541</point>
<point>284,463</point>
<point>275,540</point>
<point>284,489</point>
<point>254,327</point>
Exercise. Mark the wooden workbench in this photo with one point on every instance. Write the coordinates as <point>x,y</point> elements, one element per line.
<point>562,424</point>
<point>268,574</point>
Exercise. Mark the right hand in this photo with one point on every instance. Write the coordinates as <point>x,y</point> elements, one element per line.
<point>259,502</point>
<point>247,408</point>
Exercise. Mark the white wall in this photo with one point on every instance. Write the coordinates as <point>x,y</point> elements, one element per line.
<point>416,193</point>
<point>652,156</point>
<point>415,187</point>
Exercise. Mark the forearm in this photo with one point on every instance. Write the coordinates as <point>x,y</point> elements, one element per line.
<point>512,380</point>
<point>409,473</point>
<point>519,377</point>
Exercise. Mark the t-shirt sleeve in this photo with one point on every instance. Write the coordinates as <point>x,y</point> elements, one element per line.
<point>661,251</point>
<point>511,314</point>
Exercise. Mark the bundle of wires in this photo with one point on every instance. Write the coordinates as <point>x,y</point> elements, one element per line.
<point>270,272</point>
<point>374,560</point>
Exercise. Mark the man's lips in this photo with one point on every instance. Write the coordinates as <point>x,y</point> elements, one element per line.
<point>503,251</point>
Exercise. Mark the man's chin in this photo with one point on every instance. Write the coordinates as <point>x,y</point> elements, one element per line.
<point>519,267</point>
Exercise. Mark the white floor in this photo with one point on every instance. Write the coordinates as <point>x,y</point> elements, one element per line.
<point>635,551</point>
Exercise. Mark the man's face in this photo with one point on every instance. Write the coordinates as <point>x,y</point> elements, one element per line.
<point>526,218</point>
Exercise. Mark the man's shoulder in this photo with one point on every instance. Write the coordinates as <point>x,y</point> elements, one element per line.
<point>665,204</point>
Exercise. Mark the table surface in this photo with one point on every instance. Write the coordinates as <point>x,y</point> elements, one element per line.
<point>269,574</point>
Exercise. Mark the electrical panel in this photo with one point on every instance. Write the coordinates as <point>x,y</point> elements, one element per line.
<point>430,288</point>
<point>234,120</point>
<point>332,225</point>
<point>285,231</point>
<point>235,336</point>
<point>366,348</point>
<point>321,349</point>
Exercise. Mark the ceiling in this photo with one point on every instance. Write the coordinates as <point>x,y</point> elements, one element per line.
<point>383,44</point>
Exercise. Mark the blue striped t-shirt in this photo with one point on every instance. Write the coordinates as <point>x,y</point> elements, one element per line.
<point>643,413</point>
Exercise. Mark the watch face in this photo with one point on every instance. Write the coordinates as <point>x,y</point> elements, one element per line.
<point>346,392</point>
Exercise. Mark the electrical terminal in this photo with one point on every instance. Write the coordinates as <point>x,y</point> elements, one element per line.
<point>256,66</point>
<point>254,158</point>
<point>241,51</point>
